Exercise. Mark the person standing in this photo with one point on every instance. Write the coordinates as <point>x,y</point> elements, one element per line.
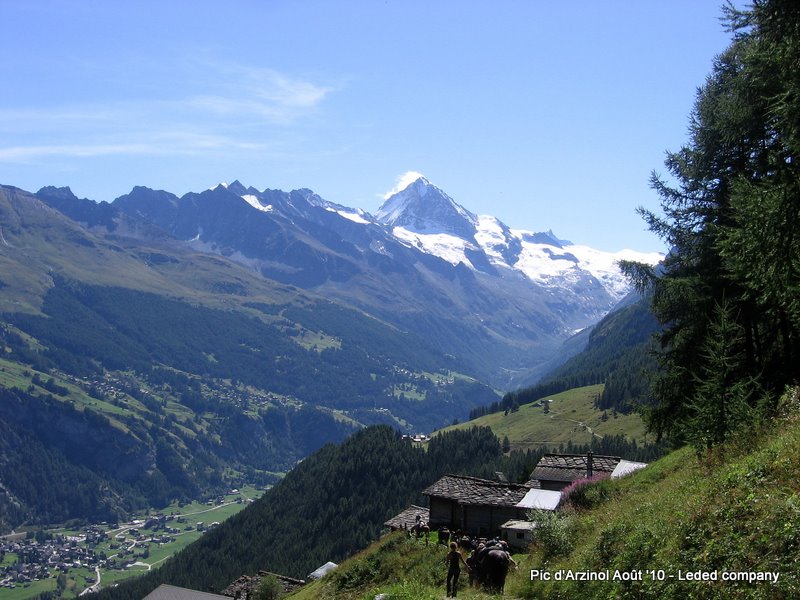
<point>454,561</point>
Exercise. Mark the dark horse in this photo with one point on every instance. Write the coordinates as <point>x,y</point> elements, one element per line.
<point>492,567</point>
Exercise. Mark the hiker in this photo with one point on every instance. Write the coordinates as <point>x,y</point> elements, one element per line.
<point>454,561</point>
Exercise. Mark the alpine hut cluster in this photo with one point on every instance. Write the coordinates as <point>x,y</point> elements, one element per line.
<point>483,507</point>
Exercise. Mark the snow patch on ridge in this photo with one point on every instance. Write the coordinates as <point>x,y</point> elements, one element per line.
<point>552,265</point>
<point>350,216</point>
<point>491,238</point>
<point>256,203</point>
<point>447,247</point>
<point>603,265</point>
<point>545,263</point>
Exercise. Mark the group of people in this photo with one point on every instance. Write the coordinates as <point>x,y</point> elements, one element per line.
<point>487,564</point>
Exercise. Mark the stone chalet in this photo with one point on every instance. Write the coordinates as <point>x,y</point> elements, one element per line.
<point>476,506</point>
<point>485,507</point>
<point>557,471</point>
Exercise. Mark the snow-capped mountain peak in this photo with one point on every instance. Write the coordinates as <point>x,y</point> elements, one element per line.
<point>424,208</point>
<point>423,216</point>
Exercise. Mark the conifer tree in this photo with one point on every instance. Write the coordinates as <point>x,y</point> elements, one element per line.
<point>723,399</point>
<point>731,220</point>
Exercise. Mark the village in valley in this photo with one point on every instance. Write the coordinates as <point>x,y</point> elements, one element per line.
<point>82,559</point>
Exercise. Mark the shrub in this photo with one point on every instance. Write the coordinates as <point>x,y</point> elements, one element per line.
<point>554,533</point>
<point>358,574</point>
<point>269,588</point>
<point>586,493</point>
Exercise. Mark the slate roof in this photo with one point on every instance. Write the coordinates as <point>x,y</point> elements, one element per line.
<point>171,592</point>
<point>569,467</point>
<point>479,492</point>
<point>408,517</point>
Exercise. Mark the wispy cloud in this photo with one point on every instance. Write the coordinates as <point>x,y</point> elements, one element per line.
<point>46,117</point>
<point>259,92</point>
<point>233,107</point>
<point>23,153</point>
<point>184,143</point>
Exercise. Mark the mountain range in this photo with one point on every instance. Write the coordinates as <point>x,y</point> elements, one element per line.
<point>499,299</point>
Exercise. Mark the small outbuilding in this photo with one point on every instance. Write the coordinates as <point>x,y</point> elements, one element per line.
<point>518,533</point>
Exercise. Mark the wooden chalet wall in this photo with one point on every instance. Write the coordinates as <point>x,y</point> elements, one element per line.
<point>443,512</point>
<point>476,519</point>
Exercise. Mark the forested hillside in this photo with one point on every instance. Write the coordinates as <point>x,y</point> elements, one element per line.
<point>162,399</point>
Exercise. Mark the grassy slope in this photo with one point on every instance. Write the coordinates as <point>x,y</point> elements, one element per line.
<point>572,417</point>
<point>38,241</point>
<point>403,569</point>
<point>736,510</point>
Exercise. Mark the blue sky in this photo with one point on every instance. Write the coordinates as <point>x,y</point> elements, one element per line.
<point>548,115</point>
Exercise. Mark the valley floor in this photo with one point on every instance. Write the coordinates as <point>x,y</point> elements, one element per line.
<point>75,562</point>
